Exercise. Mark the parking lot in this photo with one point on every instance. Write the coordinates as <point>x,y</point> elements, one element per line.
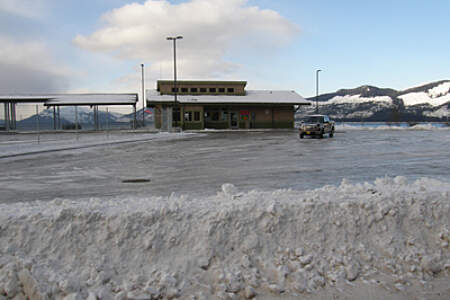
<point>200,164</point>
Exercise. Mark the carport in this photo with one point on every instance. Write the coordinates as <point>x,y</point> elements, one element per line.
<point>58,100</point>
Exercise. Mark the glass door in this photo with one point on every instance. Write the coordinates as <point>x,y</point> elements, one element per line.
<point>234,120</point>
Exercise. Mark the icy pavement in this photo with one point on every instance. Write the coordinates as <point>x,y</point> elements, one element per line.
<point>26,144</point>
<point>390,235</point>
<point>199,165</point>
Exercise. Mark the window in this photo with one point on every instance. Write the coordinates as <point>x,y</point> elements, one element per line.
<point>224,116</point>
<point>173,90</point>
<point>221,90</point>
<point>202,90</point>
<point>314,119</point>
<point>212,90</point>
<point>215,116</point>
<point>193,90</point>
<point>188,116</point>
<point>184,90</point>
<point>230,90</point>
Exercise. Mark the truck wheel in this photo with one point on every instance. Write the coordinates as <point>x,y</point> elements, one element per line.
<point>331,134</point>
<point>321,135</point>
<point>301,135</point>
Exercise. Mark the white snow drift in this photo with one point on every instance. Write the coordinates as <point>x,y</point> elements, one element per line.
<point>391,233</point>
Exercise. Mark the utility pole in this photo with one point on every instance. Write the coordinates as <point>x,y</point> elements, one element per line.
<point>174,39</point>
<point>317,90</point>
<point>76,121</point>
<point>143,97</point>
<point>38,125</point>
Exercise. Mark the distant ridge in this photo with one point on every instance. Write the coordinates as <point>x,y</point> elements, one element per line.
<point>426,103</point>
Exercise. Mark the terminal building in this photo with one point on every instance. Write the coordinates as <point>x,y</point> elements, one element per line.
<point>221,105</point>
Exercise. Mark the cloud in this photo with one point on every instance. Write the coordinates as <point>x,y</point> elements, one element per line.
<point>212,31</point>
<point>33,9</point>
<point>27,67</point>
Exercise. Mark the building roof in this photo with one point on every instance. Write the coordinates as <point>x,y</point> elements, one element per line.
<point>73,99</point>
<point>23,98</point>
<point>251,97</point>
<point>93,99</point>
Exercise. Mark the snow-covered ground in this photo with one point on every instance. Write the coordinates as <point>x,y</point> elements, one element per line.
<point>365,214</point>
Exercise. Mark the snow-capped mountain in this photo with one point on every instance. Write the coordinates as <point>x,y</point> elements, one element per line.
<point>435,94</point>
<point>429,102</point>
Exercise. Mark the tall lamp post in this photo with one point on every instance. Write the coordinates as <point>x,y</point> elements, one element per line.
<point>317,90</point>
<point>143,97</point>
<point>175,91</point>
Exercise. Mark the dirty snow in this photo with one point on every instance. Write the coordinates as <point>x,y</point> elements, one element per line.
<point>392,234</point>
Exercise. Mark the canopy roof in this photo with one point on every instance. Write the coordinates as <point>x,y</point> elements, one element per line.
<point>72,99</point>
<point>251,97</point>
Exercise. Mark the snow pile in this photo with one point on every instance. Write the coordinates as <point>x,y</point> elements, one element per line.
<point>357,99</point>
<point>283,243</point>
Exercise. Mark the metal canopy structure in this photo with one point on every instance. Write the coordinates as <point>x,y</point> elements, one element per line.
<point>57,100</point>
<point>92,99</point>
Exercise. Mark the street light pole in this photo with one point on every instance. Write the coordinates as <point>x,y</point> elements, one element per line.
<point>143,98</point>
<point>317,90</point>
<point>174,39</point>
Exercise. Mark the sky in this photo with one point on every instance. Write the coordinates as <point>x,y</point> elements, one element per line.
<point>64,46</point>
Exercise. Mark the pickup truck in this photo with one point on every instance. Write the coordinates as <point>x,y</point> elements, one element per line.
<point>316,125</point>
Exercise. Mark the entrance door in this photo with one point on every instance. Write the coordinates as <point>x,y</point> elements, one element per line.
<point>234,120</point>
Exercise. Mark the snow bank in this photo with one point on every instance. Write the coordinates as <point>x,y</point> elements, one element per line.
<point>232,245</point>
